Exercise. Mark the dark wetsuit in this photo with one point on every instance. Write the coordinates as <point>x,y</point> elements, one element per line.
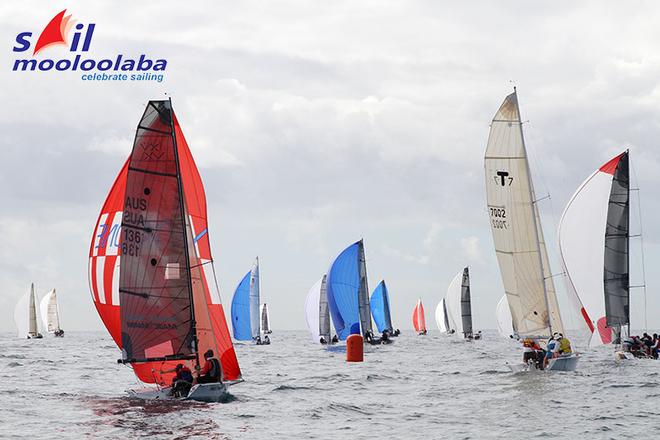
<point>211,372</point>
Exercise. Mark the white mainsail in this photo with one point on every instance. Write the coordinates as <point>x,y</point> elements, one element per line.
<point>255,300</point>
<point>50,314</point>
<point>516,227</point>
<point>503,315</point>
<point>26,316</point>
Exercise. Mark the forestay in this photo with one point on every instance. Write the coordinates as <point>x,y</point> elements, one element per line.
<point>516,227</point>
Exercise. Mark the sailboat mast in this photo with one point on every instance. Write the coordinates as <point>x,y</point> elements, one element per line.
<point>186,251</point>
<point>628,243</point>
<point>534,217</point>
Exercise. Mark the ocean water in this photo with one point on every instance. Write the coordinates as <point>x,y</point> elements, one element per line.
<point>430,387</point>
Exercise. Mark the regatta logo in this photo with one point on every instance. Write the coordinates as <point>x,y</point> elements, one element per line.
<point>62,30</point>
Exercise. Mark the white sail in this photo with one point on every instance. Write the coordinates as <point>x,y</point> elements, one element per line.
<point>440,317</point>
<point>324,311</point>
<point>312,304</point>
<point>503,315</point>
<point>255,300</point>
<point>453,303</point>
<point>582,247</point>
<point>22,315</point>
<point>49,312</point>
<point>516,227</point>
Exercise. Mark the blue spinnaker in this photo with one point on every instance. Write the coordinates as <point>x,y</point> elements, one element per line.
<point>343,284</point>
<point>380,307</point>
<point>240,310</point>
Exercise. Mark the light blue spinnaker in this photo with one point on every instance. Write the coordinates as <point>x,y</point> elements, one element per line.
<point>380,308</point>
<point>348,297</point>
<point>240,310</point>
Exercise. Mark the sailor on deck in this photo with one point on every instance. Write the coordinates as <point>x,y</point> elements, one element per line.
<point>212,370</point>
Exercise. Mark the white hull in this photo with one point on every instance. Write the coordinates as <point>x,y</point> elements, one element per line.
<point>207,392</point>
<point>563,363</point>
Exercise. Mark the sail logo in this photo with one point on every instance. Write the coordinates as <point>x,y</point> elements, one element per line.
<point>502,178</point>
<point>62,30</point>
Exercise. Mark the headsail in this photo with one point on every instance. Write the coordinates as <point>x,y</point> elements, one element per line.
<point>158,144</point>
<point>593,243</point>
<point>380,308</point>
<point>22,314</point>
<point>442,318</point>
<point>317,314</point>
<point>240,310</point>
<point>348,296</point>
<point>49,312</point>
<point>418,318</point>
<point>503,315</point>
<point>516,227</point>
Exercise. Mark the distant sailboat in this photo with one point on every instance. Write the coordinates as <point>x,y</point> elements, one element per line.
<point>517,233</point>
<point>380,309</point>
<point>50,314</point>
<point>503,316</point>
<point>458,304</point>
<point>594,236</point>
<point>442,319</point>
<point>245,308</point>
<point>26,317</point>
<point>150,265</point>
<point>348,294</point>
<point>418,318</point>
<point>317,312</point>
<point>265,320</point>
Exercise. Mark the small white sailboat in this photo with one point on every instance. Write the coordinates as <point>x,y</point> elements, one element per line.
<point>50,314</point>
<point>458,305</point>
<point>26,317</point>
<point>518,235</point>
<point>594,245</point>
<point>265,320</point>
<point>442,319</point>
<point>317,313</point>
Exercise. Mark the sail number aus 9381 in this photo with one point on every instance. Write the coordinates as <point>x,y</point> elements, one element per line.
<point>498,217</point>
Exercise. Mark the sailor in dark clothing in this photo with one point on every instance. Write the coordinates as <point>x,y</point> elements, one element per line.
<point>182,382</point>
<point>335,339</point>
<point>212,370</point>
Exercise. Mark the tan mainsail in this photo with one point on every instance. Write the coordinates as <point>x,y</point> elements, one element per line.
<point>516,227</point>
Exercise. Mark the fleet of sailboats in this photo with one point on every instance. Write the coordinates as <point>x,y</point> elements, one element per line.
<point>153,282</point>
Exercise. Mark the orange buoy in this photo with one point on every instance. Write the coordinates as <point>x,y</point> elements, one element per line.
<point>354,348</point>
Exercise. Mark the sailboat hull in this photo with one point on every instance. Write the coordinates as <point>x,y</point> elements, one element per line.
<point>207,392</point>
<point>564,363</point>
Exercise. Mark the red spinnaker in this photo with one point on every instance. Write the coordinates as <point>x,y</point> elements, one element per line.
<point>419,320</point>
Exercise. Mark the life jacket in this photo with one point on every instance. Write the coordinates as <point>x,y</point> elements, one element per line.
<point>185,374</point>
<point>565,346</point>
<point>215,369</point>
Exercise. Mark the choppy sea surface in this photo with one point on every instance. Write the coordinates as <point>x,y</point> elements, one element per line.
<point>435,386</point>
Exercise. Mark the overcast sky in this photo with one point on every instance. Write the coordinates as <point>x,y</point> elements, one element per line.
<point>317,123</point>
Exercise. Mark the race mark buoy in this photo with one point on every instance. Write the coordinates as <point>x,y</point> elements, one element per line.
<point>354,348</point>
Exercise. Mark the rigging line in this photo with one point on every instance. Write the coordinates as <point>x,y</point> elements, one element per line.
<point>641,242</point>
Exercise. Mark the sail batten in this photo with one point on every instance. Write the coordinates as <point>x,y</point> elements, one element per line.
<point>516,227</point>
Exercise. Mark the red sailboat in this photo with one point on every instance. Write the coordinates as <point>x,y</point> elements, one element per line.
<point>419,320</point>
<point>150,265</point>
